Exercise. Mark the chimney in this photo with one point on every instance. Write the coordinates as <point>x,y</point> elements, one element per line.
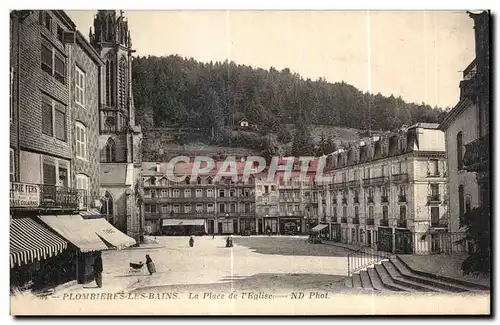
<point>157,167</point>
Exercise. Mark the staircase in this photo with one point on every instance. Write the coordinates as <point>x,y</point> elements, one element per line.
<point>393,274</point>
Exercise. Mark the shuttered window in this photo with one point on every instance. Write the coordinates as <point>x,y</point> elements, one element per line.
<point>81,141</point>
<point>60,122</point>
<point>79,86</point>
<point>53,62</point>
<point>47,127</point>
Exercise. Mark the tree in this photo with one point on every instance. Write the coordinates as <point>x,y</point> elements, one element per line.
<point>477,234</point>
<point>302,143</point>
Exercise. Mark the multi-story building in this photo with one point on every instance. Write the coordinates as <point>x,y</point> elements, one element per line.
<point>204,204</point>
<point>390,192</point>
<point>467,132</point>
<point>54,152</point>
<point>267,204</point>
<point>119,137</point>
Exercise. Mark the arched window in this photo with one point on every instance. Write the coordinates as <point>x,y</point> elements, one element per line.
<point>123,83</point>
<point>107,205</point>
<point>188,180</point>
<point>467,204</point>
<point>461,202</point>
<point>110,82</point>
<point>460,155</point>
<point>110,151</point>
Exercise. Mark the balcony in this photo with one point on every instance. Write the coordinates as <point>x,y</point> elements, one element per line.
<point>355,200</point>
<point>434,199</point>
<point>439,223</point>
<point>344,200</point>
<point>402,223</point>
<point>343,220</point>
<point>333,219</point>
<point>354,184</point>
<point>355,220</point>
<point>377,181</point>
<point>339,186</point>
<point>384,199</point>
<point>50,197</point>
<point>477,155</point>
<point>370,200</point>
<point>400,178</point>
<point>334,201</point>
<point>370,222</point>
<point>384,222</point>
<point>402,198</point>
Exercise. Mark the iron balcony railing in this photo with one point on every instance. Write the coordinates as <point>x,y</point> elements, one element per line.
<point>436,198</point>
<point>355,183</point>
<point>333,219</point>
<point>370,199</point>
<point>401,198</point>
<point>334,201</point>
<point>400,178</point>
<point>477,154</point>
<point>339,186</point>
<point>344,200</point>
<point>370,222</point>
<point>384,222</point>
<point>343,220</point>
<point>438,242</point>
<point>355,220</point>
<point>384,199</point>
<point>439,223</point>
<point>402,223</point>
<point>356,200</point>
<point>379,180</point>
<point>42,196</point>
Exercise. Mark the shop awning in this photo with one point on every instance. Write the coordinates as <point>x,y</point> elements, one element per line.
<point>319,227</point>
<point>29,241</point>
<point>76,230</point>
<point>110,234</point>
<point>183,222</point>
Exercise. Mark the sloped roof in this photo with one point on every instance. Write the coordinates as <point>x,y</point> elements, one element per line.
<point>113,174</point>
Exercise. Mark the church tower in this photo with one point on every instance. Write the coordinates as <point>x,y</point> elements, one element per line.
<point>111,38</point>
<point>120,139</point>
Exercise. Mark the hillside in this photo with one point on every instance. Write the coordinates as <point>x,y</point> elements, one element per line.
<point>211,98</point>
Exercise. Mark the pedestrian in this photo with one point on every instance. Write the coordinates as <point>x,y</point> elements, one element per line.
<point>191,241</point>
<point>98,269</point>
<point>150,265</point>
<point>213,235</point>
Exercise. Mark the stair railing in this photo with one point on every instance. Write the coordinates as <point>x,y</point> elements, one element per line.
<point>364,257</point>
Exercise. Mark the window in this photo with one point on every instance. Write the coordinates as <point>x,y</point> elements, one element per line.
<point>110,151</point>
<point>187,193</point>
<point>384,172</point>
<point>232,193</point>
<point>266,189</point>
<point>153,208</point>
<point>434,215</point>
<point>11,91</point>
<point>177,208</point>
<point>460,155</point>
<point>12,166</point>
<point>152,181</point>
<point>247,207</point>
<point>53,118</point>
<point>402,191</point>
<point>210,207</point>
<point>60,122</point>
<point>110,82</point>
<point>147,193</point>
<point>164,193</point>
<point>176,192</point>
<point>209,179</point>
<point>187,208</point>
<point>199,207</point>
<point>199,192</point>
<point>53,62</point>
<point>82,184</point>
<point>107,205</point>
<point>461,203</point>
<point>147,208</point>
<point>79,86</point>
<point>467,204</point>
<point>356,212</point>
<point>335,212</point>
<point>273,188</point>
<point>60,34</point>
<point>434,167</point>
<point>210,192</point>
<point>122,92</point>
<point>222,207</point>
<point>344,211</point>
<point>153,194</point>
<point>46,20</point>
<point>198,180</point>
<point>233,207</point>
<point>221,193</point>
<point>385,212</point>
<point>81,141</point>
<point>164,208</point>
<point>435,190</point>
<point>47,119</point>
<point>402,212</point>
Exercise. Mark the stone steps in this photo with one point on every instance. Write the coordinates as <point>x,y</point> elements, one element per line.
<point>395,275</point>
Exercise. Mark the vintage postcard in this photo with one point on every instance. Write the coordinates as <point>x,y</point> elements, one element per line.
<point>250,162</point>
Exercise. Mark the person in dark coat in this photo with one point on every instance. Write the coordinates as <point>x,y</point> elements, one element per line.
<point>191,241</point>
<point>98,269</point>
<point>150,265</point>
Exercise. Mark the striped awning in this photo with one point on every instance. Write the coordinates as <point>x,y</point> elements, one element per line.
<point>75,230</point>
<point>110,234</point>
<point>30,241</point>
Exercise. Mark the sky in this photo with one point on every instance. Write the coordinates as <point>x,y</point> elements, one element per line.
<point>418,55</point>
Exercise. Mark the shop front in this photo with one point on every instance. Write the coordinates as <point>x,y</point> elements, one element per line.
<point>290,225</point>
<point>227,226</point>
<point>247,226</point>
<point>271,226</point>
<point>183,227</point>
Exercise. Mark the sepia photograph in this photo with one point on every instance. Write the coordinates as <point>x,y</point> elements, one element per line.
<point>250,162</point>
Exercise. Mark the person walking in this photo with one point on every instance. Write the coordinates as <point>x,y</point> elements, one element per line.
<point>98,269</point>
<point>191,241</point>
<point>150,265</point>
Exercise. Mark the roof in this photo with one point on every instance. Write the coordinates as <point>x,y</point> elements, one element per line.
<point>113,174</point>
<point>463,104</point>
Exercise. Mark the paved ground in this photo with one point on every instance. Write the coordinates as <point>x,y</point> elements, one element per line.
<point>257,262</point>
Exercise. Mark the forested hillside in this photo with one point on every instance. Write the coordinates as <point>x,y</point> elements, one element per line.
<point>177,91</point>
